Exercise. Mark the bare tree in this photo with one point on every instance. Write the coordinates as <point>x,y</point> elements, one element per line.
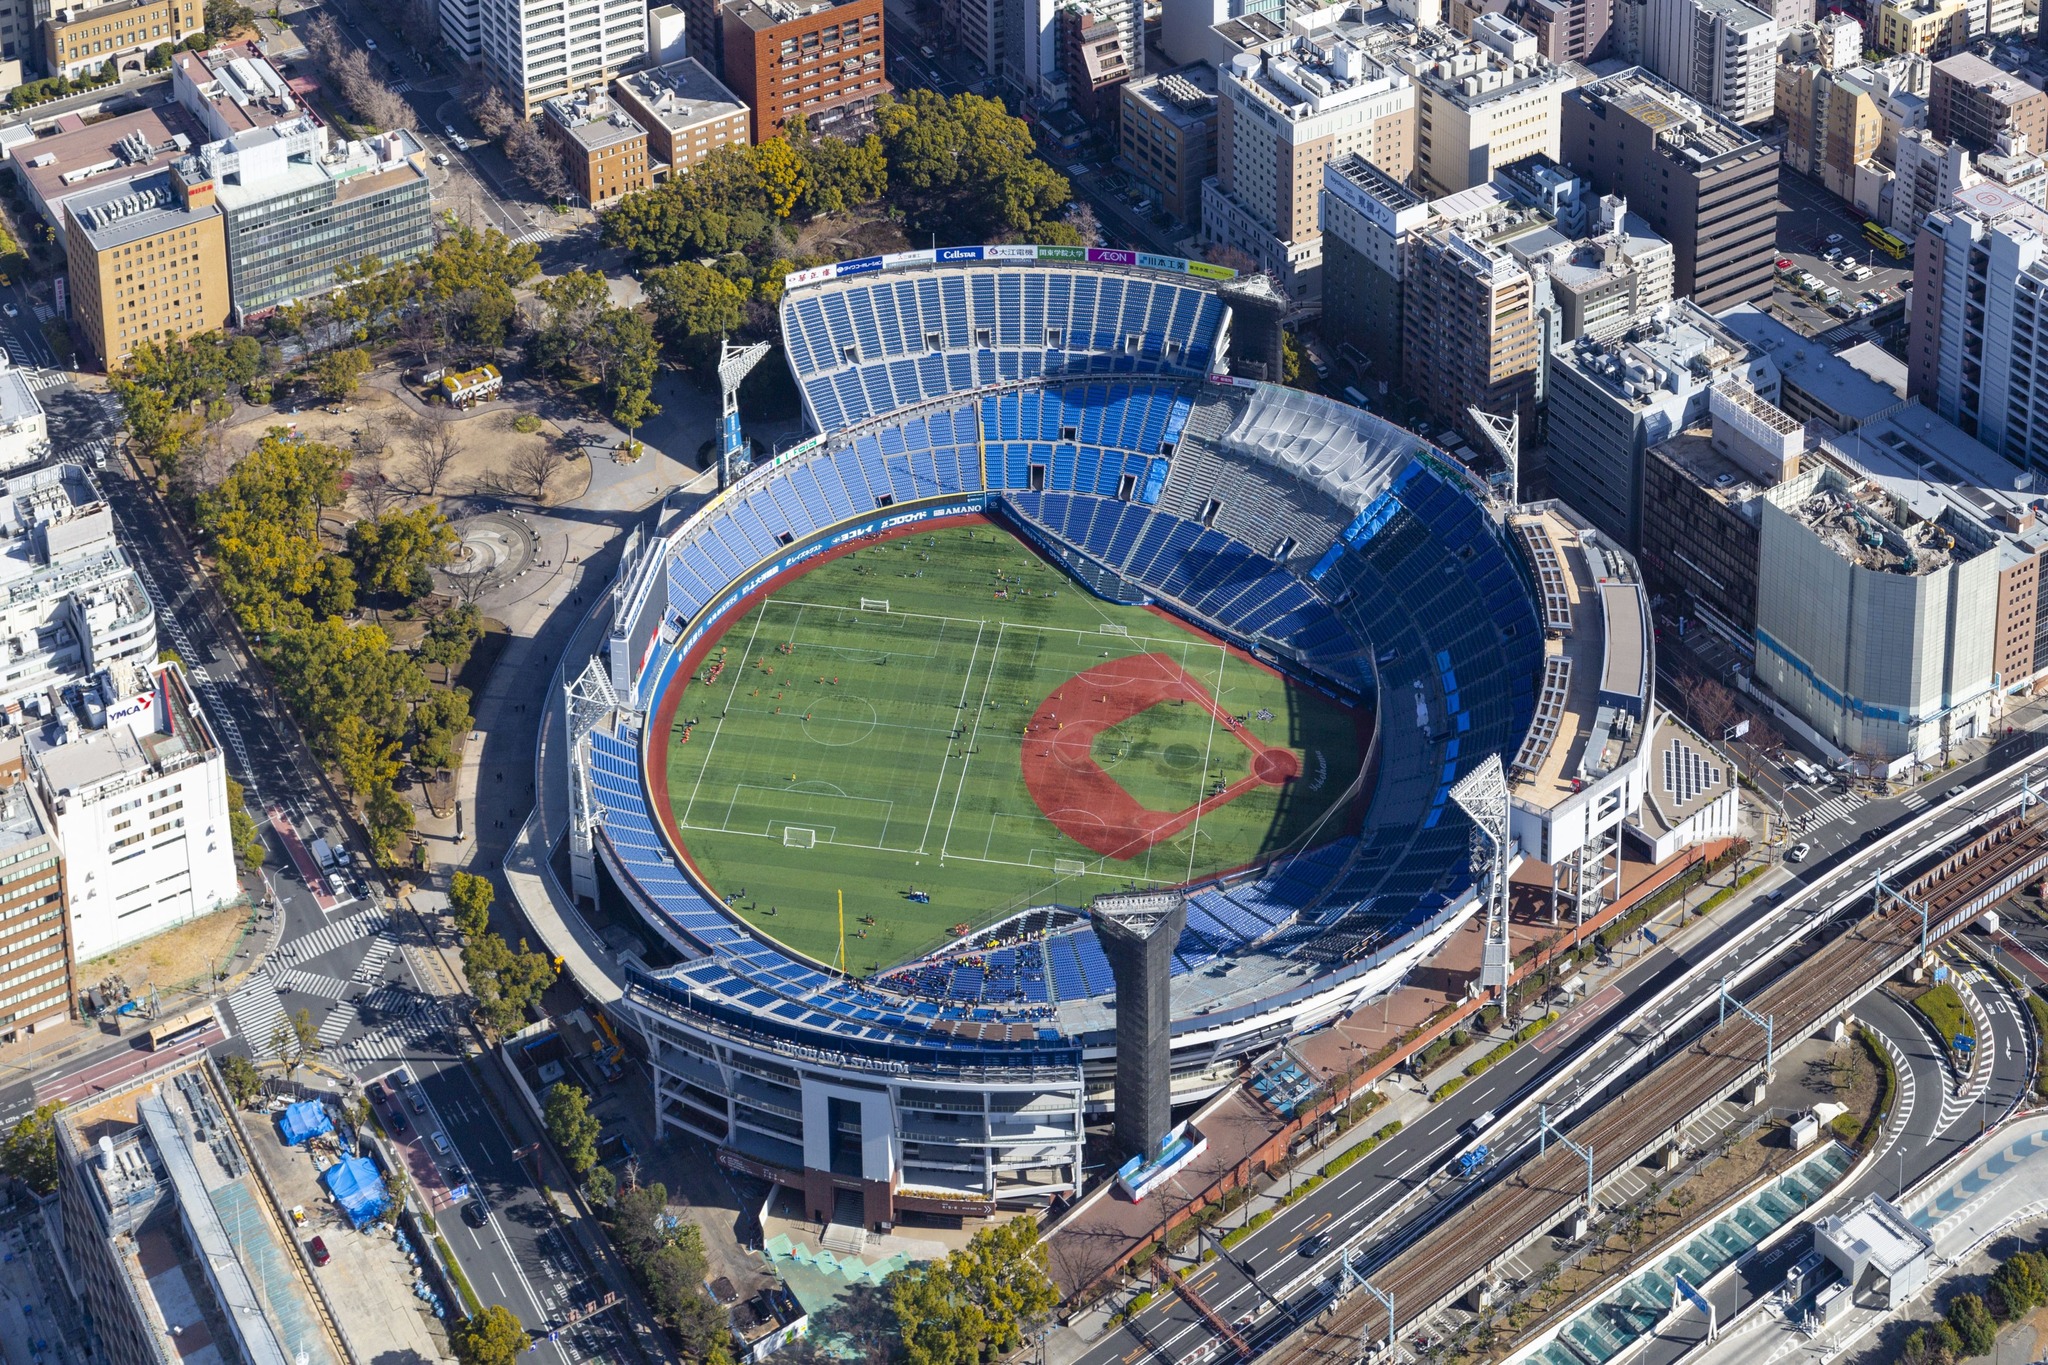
<point>434,448</point>
<point>491,110</point>
<point>204,463</point>
<point>538,159</point>
<point>378,493</point>
<point>1713,709</point>
<point>420,331</point>
<point>533,468</point>
<point>1084,221</point>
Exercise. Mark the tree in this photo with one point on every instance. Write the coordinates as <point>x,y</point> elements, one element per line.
<point>366,759</point>
<point>294,1041</point>
<point>538,159</point>
<point>387,819</point>
<point>423,331</point>
<point>532,468</point>
<point>332,669</point>
<point>2017,1286</point>
<point>492,112</point>
<point>393,554</point>
<point>986,1296</point>
<point>693,306</point>
<point>1973,1324</point>
<point>264,523</point>
<point>1290,359</point>
<point>338,374</point>
<point>602,1186</point>
<point>628,359</point>
<point>492,1337</point>
<point>470,896</point>
<point>242,832</point>
<point>451,636</point>
<point>783,173</point>
<point>506,983</point>
<point>571,1126</point>
<point>243,1080</point>
<point>439,720</point>
<point>29,1152</point>
<point>968,163</point>
<point>570,307</point>
<point>225,18</point>
<point>434,446</point>
<point>839,175</point>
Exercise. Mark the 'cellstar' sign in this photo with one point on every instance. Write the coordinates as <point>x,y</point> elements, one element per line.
<point>956,255</point>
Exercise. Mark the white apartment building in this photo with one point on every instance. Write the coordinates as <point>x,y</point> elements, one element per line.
<point>1283,116</point>
<point>538,49</point>
<point>72,604</point>
<point>24,432</point>
<point>1979,307</point>
<point>1926,173</point>
<point>136,786</point>
<point>1482,104</point>
<point>1724,53</point>
<point>462,28</point>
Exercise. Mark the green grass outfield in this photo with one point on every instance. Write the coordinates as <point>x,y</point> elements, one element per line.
<point>792,788</point>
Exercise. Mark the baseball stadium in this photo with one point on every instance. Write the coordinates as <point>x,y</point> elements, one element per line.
<point>1054,605</point>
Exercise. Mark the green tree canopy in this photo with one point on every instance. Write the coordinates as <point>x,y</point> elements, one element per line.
<point>693,306</point>
<point>29,1152</point>
<point>571,1126</point>
<point>332,669</point>
<point>243,1080</point>
<point>492,1337</point>
<point>242,831</point>
<point>987,1296</point>
<point>470,896</point>
<point>393,553</point>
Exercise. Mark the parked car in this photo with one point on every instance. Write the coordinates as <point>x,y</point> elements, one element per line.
<point>1957,790</point>
<point>1834,237</point>
<point>441,1144</point>
<point>398,1124</point>
<point>375,1090</point>
<point>318,1249</point>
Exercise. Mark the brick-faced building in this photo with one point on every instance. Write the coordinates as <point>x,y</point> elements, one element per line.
<point>823,61</point>
<point>603,149</point>
<point>687,113</point>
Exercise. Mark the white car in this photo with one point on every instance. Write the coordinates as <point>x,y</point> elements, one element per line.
<point>370,43</point>
<point>441,1144</point>
<point>1834,237</point>
<point>10,310</point>
<point>1797,853</point>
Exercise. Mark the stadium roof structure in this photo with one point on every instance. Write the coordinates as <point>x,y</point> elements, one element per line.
<point>1086,403</point>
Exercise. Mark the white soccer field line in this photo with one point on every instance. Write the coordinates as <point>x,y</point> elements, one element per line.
<point>1184,646</point>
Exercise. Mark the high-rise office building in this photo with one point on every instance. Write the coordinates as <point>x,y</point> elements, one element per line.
<point>1470,331</point>
<point>1975,104</point>
<point>1284,116</point>
<point>1166,136</point>
<point>538,49</point>
<point>296,206</point>
<point>1095,64</point>
<point>147,256</point>
<point>821,60</point>
<point>1723,53</point>
<point>1707,185</point>
<point>35,943</point>
<point>1979,269</point>
<point>1481,103</point>
<point>1832,123</point>
<point>1610,401</point>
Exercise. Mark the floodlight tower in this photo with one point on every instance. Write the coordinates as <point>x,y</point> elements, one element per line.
<point>733,364</point>
<point>1504,434</point>
<point>1483,795</point>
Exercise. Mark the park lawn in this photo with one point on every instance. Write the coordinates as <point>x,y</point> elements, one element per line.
<point>870,752</point>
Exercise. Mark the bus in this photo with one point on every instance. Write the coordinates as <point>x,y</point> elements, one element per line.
<point>178,1028</point>
<point>1884,241</point>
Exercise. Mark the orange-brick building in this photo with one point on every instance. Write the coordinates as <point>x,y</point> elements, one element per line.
<point>823,61</point>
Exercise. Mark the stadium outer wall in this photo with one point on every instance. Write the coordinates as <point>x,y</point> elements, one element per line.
<point>737,1088</point>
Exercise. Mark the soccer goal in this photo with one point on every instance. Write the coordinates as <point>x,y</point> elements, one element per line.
<point>1069,867</point>
<point>874,604</point>
<point>792,837</point>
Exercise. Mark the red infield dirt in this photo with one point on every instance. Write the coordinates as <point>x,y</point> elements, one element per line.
<point>1079,796</point>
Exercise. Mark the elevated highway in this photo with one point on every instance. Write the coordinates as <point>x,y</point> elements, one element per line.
<point>1940,891</point>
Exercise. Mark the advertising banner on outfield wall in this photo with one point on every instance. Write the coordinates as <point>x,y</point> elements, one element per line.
<point>1014,251</point>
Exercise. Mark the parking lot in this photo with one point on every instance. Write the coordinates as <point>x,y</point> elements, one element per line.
<point>1811,224</point>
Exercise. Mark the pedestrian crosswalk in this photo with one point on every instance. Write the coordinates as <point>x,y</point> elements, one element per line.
<point>1913,800</point>
<point>328,937</point>
<point>372,965</point>
<point>39,379</point>
<point>530,235</point>
<point>339,1020</point>
<point>426,1028</point>
<point>1834,808</point>
<point>257,1010</point>
<point>313,983</point>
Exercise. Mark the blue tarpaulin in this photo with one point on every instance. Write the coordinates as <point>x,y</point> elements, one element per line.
<point>303,1122</point>
<point>357,1187</point>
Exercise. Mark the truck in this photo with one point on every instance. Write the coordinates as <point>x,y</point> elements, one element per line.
<point>323,855</point>
<point>1467,1163</point>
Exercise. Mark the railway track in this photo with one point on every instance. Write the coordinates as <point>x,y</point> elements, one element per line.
<point>1545,1189</point>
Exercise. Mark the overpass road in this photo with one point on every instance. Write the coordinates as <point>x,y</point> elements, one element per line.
<point>1404,1175</point>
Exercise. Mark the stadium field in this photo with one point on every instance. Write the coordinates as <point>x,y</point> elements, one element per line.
<point>946,712</point>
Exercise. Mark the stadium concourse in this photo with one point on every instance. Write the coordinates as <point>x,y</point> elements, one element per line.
<point>1087,407</point>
